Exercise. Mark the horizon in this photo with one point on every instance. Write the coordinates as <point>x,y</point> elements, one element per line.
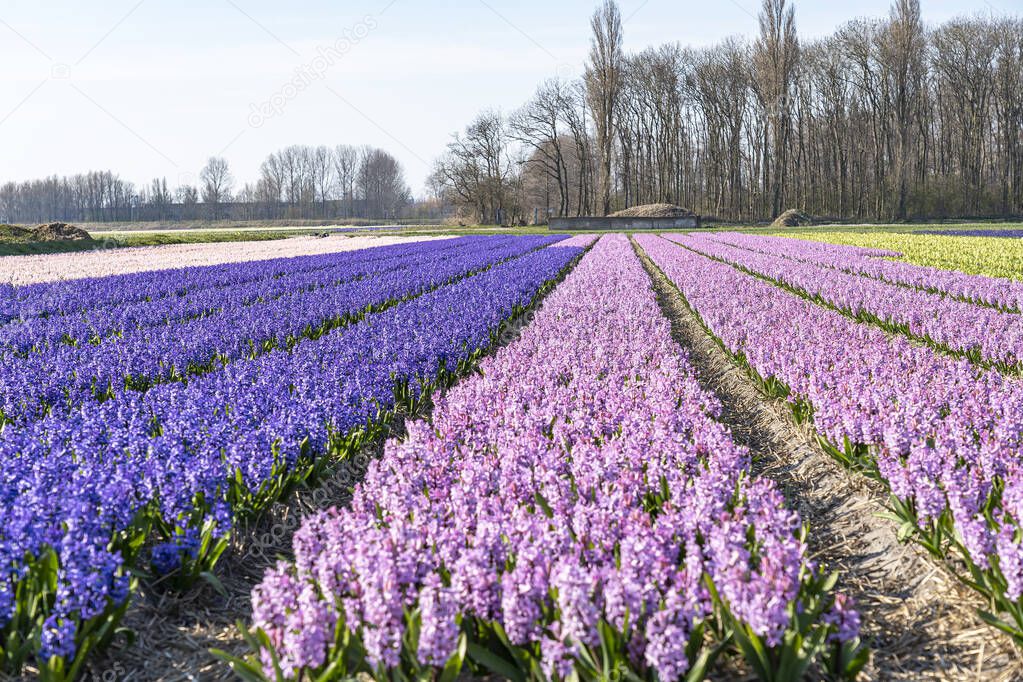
<point>141,92</point>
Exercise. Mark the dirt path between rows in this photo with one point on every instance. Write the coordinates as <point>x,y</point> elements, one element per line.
<point>919,619</point>
<point>173,634</point>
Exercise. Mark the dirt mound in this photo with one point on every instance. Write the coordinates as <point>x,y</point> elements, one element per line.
<point>792,218</point>
<point>654,211</point>
<point>60,232</point>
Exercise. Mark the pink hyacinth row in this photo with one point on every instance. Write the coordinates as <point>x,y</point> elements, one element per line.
<point>944,434</point>
<point>963,327</point>
<point>993,291</point>
<point>580,482</point>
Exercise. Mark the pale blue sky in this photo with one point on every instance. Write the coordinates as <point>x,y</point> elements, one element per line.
<point>153,88</point>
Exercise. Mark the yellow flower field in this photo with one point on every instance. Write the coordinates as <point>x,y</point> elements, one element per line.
<point>992,256</point>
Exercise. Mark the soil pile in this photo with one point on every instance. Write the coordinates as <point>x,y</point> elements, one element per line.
<point>792,218</point>
<point>654,211</point>
<point>60,232</point>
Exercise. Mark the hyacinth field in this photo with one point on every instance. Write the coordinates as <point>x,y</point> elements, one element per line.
<point>558,485</point>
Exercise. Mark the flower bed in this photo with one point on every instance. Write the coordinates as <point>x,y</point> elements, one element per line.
<point>575,509</point>
<point>85,495</point>
<point>944,435</point>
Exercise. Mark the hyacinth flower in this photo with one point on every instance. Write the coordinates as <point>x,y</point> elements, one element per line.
<point>147,301</point>
<point>29,271</point>
<point>981,333</point>
<point>174,280</point>
<point>990,258</point>
<point>1005,294</point>
<point>572,511</point>
<point>156,480</point>
<point>67,376</point>
<point>945,436</point>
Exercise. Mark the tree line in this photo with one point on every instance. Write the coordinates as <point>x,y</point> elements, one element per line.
<point>886,119</point>
<point>298,182</point>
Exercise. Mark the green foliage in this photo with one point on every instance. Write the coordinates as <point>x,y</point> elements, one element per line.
<point>808,640</point>
<point>35,598</point>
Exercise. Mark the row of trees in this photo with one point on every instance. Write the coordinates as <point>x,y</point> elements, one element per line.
<point>297,182</point>
<point>324,182</point>
<point>886,119</point>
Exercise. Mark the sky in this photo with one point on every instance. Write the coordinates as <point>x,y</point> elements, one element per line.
<point>152,88</point>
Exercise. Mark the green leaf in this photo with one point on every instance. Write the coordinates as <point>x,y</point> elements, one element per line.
<point>542,501</point>
<point>331,672</point>
<point>706,659</point>
<point>250,672</point>
<point>495,663</point>
<point>829,583</point>
<point>454,665</point>
<point>856,663</point>
<point>994,621</point>
<point>215,583</point>
<point>906,531</point>
<point>753,651</point>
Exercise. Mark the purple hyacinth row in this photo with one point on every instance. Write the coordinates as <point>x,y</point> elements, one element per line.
<point>207,291</point>
<point>75,296</point>
<point>990,334</point>
<point>256,281</point>
<point>179,454</point>
<point>65,377</point>
<point>579,483</point>
<point>1002,293</point>
<point>946,436</point>
<point>78,295</point>
<point>1005,234</point>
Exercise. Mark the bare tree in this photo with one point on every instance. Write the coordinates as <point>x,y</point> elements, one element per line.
<point>902,55</point>
<point>775,58</point>
<point>538,125</point>
<point>188,197</point>
<point>346,165</point>
<point>216,184</point>
<point>271,185</point>
<point>477,169</point>
<point>159,197</point>
<point>381,184</point>
<point>604,85</point>
<point>581,163</point>
<point>1008,112</point>
<point>964,57</point>
<point>321,169</point>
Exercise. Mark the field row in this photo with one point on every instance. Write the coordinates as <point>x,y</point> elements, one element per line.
<point>943,434</point>
<point>987,334</point>
<point>155,480</point>
<point>973,255</point>
<point>57,376</point>
<point>574,510</point>
<point>22,270</point>
<point>1004,294</point>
